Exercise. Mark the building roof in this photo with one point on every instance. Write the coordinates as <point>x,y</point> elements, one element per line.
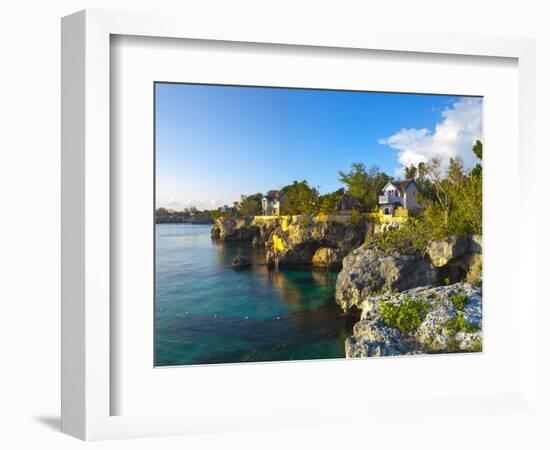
<point>273,195</point>
<point>401,185</point>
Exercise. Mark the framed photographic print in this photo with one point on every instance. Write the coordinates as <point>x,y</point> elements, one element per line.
<point>265,251</point>
<point>253,216</point>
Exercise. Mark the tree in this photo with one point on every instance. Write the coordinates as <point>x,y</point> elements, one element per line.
<point>410,172</point>
<point>364,185</point>
<point>328,202</point>
<point>250,205</point>
<point>160,212</point>
<point>422,170</point>
<point>455,171</point>
<point>355,180</point>
<point>426,188</point>
<point>454,210</point>
<point>478,151</point>
<point>467,196</point>
<point>432,169</point>
<point>457,208</point>
<point>299,198</point>
<point>466,212</point>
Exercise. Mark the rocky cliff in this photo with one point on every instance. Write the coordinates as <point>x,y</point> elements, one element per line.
<point>308,240</point>
<point>257,230</point>
<point>409,303</point>
<point>414,303</point>
<point>321,241</point>
<point>416,321</point>
<point>369,271</point>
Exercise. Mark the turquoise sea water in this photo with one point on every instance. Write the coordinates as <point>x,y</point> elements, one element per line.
<point>205,312</point>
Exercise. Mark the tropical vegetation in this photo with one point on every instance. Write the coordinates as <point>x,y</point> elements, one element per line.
<point>450,198</point>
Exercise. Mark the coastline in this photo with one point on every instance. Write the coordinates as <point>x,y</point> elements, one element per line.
<point>407,301</point>
<point>181,220</point>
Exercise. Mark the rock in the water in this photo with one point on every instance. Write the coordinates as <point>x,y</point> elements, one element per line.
<point>443,251</point>
<point>368,271</point>
<point>326,257</point>
<point>241,262</point>
<point>451,322</point>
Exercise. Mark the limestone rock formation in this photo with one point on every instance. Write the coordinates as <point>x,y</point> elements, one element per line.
<point>450,321</point>
<point>234,229</point>
<point>443,251</point>
<point>254,229</point>
<point>368,271</point>
<point>326,257</point>
<point>298,239</point>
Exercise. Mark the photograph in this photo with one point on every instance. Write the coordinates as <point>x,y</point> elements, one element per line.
<point>313,224</point>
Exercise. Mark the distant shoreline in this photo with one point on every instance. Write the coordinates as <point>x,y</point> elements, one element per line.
<point>188,221</point>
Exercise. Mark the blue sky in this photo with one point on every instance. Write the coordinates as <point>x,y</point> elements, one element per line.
<point>214,143</point>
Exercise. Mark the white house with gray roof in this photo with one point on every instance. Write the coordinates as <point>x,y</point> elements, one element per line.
<point>395,194</point>
<point>271,203</point>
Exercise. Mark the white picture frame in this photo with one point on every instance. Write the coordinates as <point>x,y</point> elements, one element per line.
<point>86,220</point>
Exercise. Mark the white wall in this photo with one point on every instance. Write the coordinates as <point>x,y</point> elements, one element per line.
<point>29,229</point>
<point>410,198</point>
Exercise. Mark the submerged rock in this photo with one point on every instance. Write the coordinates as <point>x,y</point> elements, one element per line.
<point>241,262</point>
<point>450,320</point>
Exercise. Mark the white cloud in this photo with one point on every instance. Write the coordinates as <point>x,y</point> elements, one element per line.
<point>454,135</point>
<point>180,204</point>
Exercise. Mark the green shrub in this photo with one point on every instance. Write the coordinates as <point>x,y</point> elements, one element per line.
<point>411,237</point>
<point>407,316</point>
<point>477,345</point>
<point>458,324</point>
<point>459,300</point>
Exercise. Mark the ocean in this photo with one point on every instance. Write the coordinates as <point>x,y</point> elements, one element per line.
<point>207,313</point>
